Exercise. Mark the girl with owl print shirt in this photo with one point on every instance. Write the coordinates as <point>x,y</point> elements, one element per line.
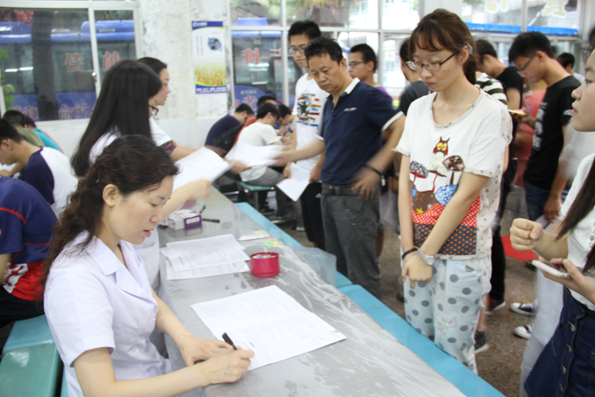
<point>453,150</point>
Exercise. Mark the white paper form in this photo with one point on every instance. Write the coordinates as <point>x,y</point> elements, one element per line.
<point>252,156</point>
<point>268,321</point>
<point>295,186</point>
<point>209,271</point>
<point>202,164</point>
<point>206,252</point>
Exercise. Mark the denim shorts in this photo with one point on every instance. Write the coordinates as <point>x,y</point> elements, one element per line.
<point>566,366</point>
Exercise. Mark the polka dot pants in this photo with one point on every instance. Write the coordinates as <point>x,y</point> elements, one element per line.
<point>446,308</point>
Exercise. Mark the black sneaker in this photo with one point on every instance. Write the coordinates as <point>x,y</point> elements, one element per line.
<point>481,344</point>
<point>526,309</point>
<point>494,305</point>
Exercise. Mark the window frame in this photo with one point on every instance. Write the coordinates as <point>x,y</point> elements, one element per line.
<point>91,6</point>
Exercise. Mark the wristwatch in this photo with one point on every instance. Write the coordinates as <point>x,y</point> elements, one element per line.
<point>428,260</point>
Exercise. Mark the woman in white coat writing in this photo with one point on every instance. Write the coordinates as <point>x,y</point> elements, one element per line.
<point>98,301</point>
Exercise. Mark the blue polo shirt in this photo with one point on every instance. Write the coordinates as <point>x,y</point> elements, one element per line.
<point>221,126</point>
<point>352,131</point>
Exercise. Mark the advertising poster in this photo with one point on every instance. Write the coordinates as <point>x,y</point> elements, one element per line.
<point>209,57</point>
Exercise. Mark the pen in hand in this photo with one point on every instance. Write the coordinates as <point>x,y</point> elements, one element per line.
<point>228,340</point>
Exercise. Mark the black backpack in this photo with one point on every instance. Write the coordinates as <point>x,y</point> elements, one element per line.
<point>226,139</point>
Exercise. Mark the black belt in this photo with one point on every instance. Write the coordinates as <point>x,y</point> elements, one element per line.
<point>335,190</point>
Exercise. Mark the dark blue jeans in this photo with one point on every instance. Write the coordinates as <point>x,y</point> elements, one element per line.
<point>566,366</point>
<point>536,198</point>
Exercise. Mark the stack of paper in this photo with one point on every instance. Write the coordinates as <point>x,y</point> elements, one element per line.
<point>202,164</point>
<point>252,156</point>
<point>268,321</point>
<point>204,257</point>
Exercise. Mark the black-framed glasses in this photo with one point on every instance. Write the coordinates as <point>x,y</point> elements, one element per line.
<point>301,49</point>
<point>527,64</point>
<point>353,64</point>
<point>432,66</point>
<point>154,110</point>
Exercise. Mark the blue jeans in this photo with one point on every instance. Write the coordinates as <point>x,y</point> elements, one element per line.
<point>536,198</point>
<point>565,366</point>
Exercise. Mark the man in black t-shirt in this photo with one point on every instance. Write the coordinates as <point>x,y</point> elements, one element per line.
<point>544,183</point>
<point>513,85</point>
<point>416,88</point>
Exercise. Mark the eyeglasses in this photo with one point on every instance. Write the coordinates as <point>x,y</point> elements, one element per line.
<point>353,64</point>
<point>432,66</point>
<point>299,49</point>
<point>527,64</point>
<point>154,110</point>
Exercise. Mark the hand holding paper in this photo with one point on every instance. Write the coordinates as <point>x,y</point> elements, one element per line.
<point>254,155</point>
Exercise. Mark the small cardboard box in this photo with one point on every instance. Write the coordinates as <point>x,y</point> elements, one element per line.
<point>184,219</point>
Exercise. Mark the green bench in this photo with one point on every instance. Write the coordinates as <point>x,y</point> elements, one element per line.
<point>27,333</point>
<point>30,372</point>
<point>256,189</point>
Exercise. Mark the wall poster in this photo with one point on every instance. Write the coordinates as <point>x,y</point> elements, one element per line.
<point>208,57</point>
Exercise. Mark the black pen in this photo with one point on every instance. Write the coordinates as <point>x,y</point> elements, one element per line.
<point>203,208</point>
<point>228,340</point>
<point>211,220</point>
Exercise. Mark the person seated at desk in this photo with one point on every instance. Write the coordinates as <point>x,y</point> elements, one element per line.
<point>48,141</point>
<point>100,307</point>
<point>239,116</point>
<point>26,223</point>
<point>46,169</point>
<point>262,133</point>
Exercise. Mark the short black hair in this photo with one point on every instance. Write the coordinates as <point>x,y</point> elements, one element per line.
<point>324,46</point>
<point>528,43</point>
<point>284,110</point>
<point>367,53</point>
<point>307,28</point>
<point>263,99</point>
<point>29,121</point>
<point>244,108</point>
<point>566,59</point>
<point>484,47</point>
<point>7,131</point>
<point>592,39</point>
<point>14,117</point>
<point>404,51</point>
<point>265,109</point>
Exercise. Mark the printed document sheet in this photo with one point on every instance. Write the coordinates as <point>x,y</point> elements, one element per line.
<point>268,321</point>
<point>217,270</point>
<point>254,155</point>
<point>202,164</point>
<point>206,252</point>
<point>295,186</point>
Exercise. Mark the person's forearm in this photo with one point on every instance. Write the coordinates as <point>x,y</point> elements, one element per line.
<point>168,323</point>
<point>320,160</point>
<point>559,184</point>
<point>314,149</point>
<point>550,247</point>
<point>180,152</point>
<point>4,259</point>
<point>178,197</point>
<point>454,212</point>
<point>404,203</point>
<point>383,159</point>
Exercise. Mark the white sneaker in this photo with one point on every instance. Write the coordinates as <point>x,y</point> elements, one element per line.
<point>526,309</point>
<point>524,331</point>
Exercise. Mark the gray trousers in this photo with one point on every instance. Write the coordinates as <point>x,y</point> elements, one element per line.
<point>271,178</point>
<point>350,228</point>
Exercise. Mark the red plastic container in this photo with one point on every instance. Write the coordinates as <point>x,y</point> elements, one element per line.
<point>264,264</point>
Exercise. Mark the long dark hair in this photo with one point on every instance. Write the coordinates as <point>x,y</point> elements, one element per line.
<point>132,163</point>
<point>155,64</point>
<point>123,103</point>
<point>441,30</point>
<point>580,208</point>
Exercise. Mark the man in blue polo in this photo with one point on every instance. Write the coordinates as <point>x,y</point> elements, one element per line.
<point>356,116</point>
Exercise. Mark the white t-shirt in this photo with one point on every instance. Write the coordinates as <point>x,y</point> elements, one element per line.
<point>92,301</point>
<point>308,107</point>
<point>474,143</point>
<point>582,237</point>
<point>257,134</point>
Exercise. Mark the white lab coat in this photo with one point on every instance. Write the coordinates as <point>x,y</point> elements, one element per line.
<point>92,300</point>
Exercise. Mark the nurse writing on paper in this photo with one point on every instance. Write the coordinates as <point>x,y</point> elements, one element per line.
<point>98,301</point>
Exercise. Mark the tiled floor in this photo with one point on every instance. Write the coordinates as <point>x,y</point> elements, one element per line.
<point>500,364</point>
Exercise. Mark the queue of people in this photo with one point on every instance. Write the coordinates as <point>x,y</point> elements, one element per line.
<point>83,249</point>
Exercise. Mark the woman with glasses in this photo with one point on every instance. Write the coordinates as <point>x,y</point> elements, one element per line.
<point>565,366</point>
<point>453,148</point>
